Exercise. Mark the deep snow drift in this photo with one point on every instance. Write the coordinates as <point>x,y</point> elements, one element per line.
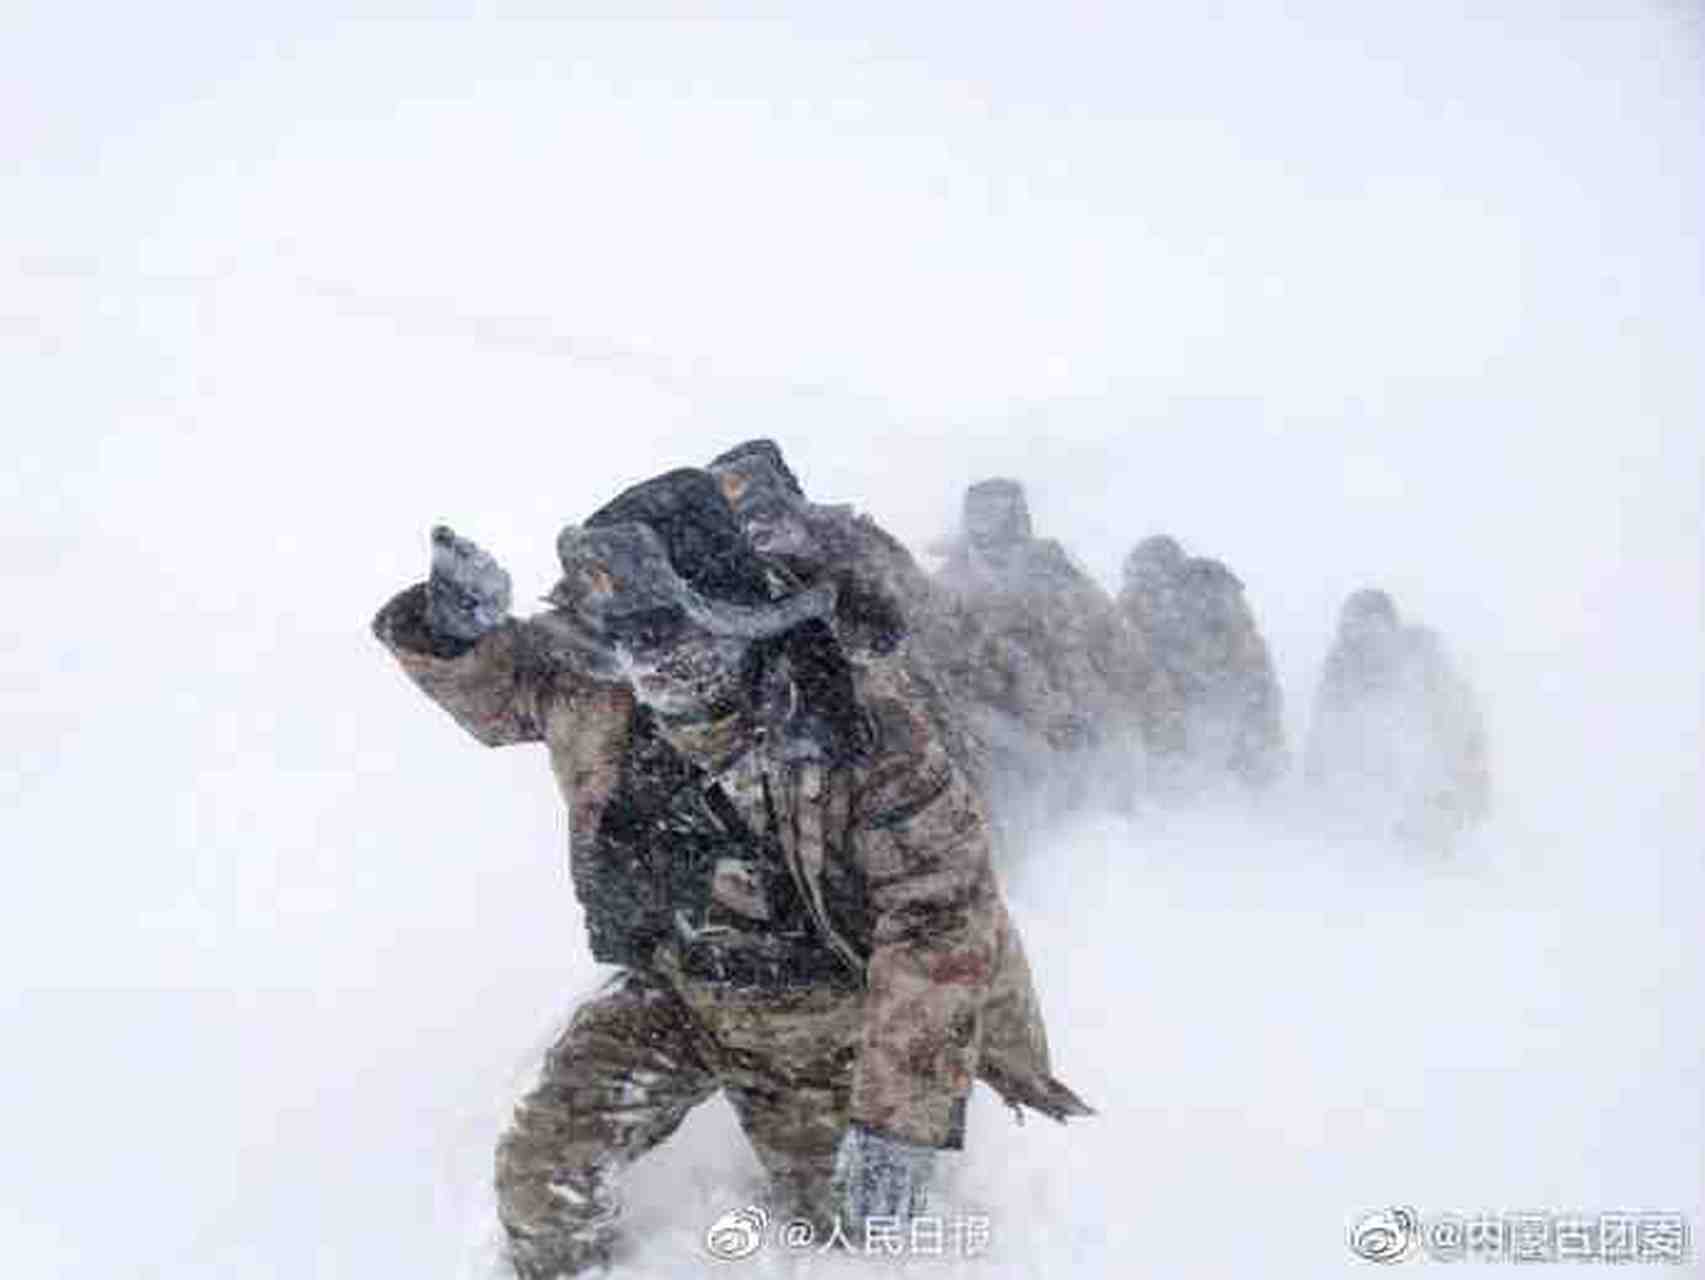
<point>1280,1034</point>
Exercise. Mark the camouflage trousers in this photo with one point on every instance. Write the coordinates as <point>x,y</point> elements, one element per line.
<point>632,1062</point>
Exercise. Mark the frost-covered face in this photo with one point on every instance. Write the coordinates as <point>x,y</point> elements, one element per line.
<point>622,611</point>
<point>684,674</point>
<point>696,686</point>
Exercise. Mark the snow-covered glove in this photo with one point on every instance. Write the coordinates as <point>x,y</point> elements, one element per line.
<point>468,592</point>
<point>880,1177</point>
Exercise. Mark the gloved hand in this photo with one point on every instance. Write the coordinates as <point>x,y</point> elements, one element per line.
<point>468,592</point>
<point>879,1177</point>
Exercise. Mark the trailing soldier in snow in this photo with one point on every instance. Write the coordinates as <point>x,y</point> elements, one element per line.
<point>1397,745</point>
<point>1054,681</point>
<point>774,844</point>
<point>1201,632</point>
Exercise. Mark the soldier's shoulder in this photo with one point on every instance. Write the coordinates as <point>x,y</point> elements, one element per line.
<point>907,762</point>
<point>1071,593</point>
<point>880,552</point>
<point>1048,555</point>
<point>1047,558</point>
<point>895,694</point>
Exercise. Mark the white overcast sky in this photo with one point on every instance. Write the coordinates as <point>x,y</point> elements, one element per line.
<point>1341,293</point>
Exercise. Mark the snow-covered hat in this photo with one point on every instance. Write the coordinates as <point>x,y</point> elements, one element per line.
<point>619,592</point>
<point>1156,557</point>
<point>1368,606</point>
<point>754,469</point>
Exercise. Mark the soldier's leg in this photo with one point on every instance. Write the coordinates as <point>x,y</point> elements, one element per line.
<point>619,1080</point>
<point>795,1130</point>
<point>787,1070</point>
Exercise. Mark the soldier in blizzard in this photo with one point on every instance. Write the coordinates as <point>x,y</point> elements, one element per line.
<point>1397,745</point>
<point>1053,678</point>
<point>772,842</point>
<point>1201,632</point>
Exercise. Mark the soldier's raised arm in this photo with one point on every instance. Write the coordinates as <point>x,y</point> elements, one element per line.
<point>453,636</point>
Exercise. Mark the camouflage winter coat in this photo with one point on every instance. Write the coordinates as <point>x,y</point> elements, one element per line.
<point>892,854</point>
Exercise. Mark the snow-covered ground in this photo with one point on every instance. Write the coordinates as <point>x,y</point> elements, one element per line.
<point>1279,1034</point>
<point>1410,299</point>
<point>1282,1035</point>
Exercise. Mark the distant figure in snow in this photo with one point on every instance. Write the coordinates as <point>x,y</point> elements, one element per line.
<point>1200,631</point>
<point>1397,743</point>
<point>1055,681</point>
